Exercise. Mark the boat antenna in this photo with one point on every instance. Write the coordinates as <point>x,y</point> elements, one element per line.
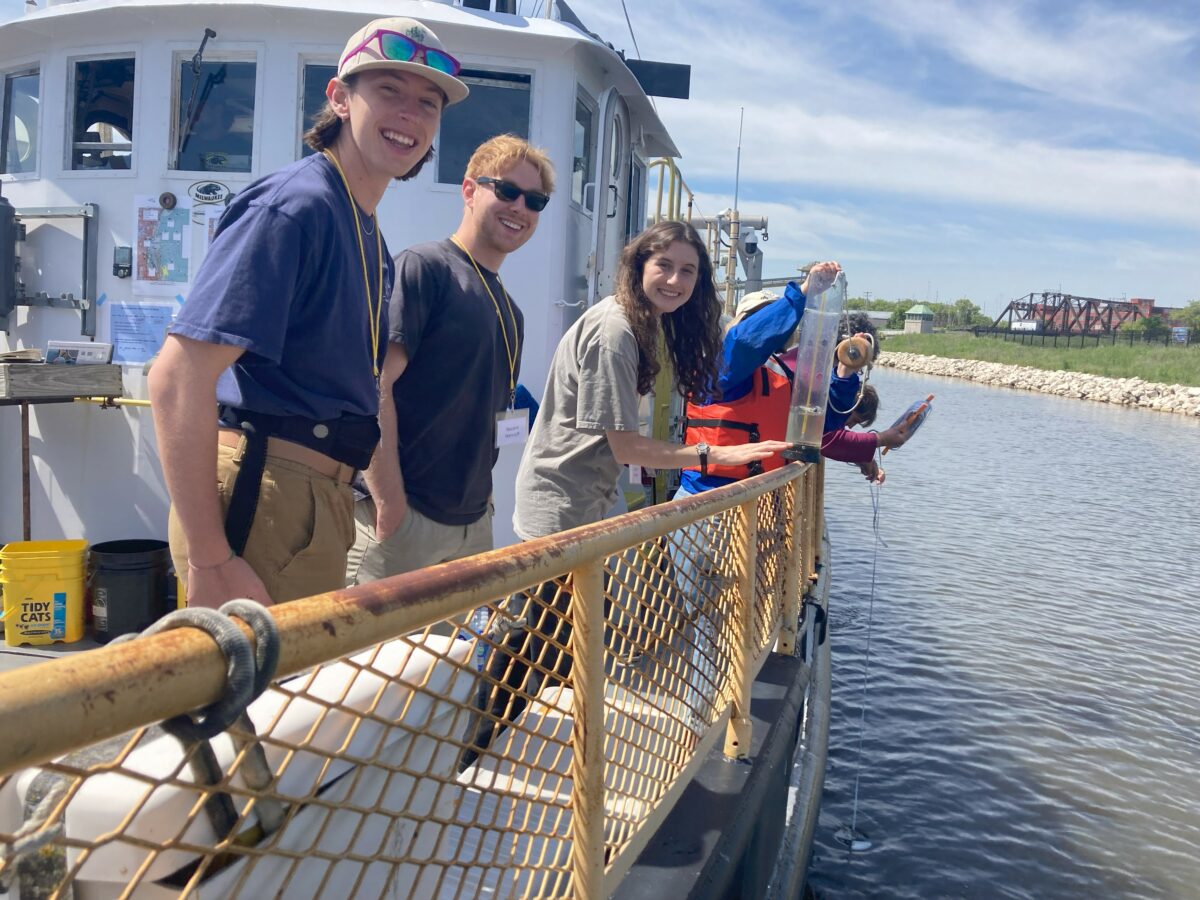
<point>190,116</point>
<point>737,168</point>
<point>633,36</point>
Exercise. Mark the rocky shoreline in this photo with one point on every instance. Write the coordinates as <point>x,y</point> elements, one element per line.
<point>1172,398</point>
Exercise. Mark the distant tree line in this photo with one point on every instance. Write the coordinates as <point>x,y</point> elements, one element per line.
<point>1154,327</point>
<point>962,313</point>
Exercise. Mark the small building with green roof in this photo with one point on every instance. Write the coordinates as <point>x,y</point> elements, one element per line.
<point>918,320</point>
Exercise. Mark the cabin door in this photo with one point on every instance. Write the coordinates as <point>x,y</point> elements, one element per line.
<point>614,155</point>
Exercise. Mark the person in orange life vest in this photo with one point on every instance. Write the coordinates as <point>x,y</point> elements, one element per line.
<point>755,386</point>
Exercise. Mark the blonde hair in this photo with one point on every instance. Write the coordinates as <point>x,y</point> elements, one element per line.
<point>500,154</point>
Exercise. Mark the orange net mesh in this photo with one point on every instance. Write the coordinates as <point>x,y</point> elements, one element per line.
<point>433,764</point>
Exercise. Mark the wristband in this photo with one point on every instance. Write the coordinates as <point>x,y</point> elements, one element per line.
<point>227,559</point>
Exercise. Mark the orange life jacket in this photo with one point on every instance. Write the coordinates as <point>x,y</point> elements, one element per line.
<point>761,415</point>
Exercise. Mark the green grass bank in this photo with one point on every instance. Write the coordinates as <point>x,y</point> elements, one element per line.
<point>1150,362</point>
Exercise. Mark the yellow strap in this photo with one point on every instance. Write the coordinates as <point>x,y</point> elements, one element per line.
<point>374,313</point>
<point>512,352</point>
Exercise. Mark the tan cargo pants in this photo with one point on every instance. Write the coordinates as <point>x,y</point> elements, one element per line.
<point>303,527</point>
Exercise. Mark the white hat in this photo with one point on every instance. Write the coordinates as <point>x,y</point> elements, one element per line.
<point>363,54</point>
<point>752,301</point>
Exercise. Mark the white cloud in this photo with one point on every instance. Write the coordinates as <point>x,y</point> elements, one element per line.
<point>942,157</point>
<point>1122,59</point>
<point>808,123</point>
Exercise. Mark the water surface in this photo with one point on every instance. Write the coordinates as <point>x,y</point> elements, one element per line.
<point>1033,694</point>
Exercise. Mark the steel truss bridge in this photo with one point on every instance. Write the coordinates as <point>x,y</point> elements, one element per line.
<point>1068,314</point>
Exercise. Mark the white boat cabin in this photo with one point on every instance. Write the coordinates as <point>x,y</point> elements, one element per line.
<point>124,129</point>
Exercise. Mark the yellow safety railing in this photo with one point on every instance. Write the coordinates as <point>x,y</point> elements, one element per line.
<point>534,758</point>
<point>670,183</point>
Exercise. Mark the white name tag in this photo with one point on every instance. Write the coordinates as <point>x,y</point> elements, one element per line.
<point>635,475</point>
<point>512,427</point>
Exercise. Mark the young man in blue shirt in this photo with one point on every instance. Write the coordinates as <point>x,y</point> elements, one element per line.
<point>266,385</point>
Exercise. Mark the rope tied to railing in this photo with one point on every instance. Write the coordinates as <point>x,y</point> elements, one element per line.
<point>36,833</point>
<point>249,668</point>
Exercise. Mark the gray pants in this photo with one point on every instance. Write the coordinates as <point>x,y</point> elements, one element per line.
<point>417,543</point>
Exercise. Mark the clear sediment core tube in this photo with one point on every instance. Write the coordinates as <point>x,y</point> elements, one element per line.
<point>814,365</point>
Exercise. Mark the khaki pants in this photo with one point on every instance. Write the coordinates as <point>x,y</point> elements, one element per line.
<point>302,531</point>
<point>418,542</point>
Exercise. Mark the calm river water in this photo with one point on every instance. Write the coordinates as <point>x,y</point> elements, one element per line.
<point>1033,694</point>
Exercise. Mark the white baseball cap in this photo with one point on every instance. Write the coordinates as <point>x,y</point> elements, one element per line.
<point>405,44</point>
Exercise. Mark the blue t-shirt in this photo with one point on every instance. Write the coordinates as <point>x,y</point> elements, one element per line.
<point>283,280</point>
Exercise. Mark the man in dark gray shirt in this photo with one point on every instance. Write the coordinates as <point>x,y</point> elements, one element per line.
<point>449,378</point>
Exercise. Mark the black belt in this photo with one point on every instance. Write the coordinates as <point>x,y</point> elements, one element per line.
<point>350,440</point>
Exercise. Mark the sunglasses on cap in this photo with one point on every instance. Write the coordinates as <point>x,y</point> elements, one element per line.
<point>401,48</point>
<point>508,192</point>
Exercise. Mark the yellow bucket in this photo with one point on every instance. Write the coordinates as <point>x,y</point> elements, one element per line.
<point>43,583</point>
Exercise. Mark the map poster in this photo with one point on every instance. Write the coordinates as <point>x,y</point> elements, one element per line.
<point>163,245</point>
<point>212,216</point>
<point>137,330</point>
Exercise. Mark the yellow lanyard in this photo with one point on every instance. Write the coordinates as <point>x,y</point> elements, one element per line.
<point>374,313</point>
<point>513,352</point>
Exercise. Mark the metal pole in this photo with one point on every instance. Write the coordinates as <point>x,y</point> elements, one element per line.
<point>739,730</point>
<point>791,574</point>
<point>817,514</point>
<point>25,518</point>
<point>587,731</point>
<point>737,168</point>
<point>731,264</point>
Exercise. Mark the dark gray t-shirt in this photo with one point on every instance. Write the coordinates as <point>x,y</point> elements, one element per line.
<point>456,381</point>
<point>568,475</point>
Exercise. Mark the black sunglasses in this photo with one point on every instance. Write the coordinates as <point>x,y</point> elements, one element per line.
<point>508,192</point>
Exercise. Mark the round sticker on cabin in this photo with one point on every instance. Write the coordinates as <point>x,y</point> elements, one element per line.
<point>208,192</point>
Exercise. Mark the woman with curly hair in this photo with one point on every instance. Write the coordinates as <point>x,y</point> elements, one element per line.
<point>587,428</point>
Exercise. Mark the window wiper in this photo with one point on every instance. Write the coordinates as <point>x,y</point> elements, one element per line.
<point>190,116</point>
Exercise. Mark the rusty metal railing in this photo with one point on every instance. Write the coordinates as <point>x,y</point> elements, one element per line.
<point>533,757</point>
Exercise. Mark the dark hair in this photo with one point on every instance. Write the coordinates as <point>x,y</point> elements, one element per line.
<point>692,332</point>
<point>855,323</point>
<point>868,405</point>
<point>327,125</point>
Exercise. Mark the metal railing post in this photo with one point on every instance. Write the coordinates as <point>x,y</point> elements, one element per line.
<point>587,731</point>
<point>805,537</point>
<point>793,590</point>
<point>817,473</point>
<point>738,732</point>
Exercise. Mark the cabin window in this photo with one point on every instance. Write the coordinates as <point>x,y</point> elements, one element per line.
<point>316,79</point>
<point>635,215</point>
<point>214,116</point>
<point>499,104</point>
<point>617,149</point>
<point>102,123</point>
<point>583,168</point>
<point>19,128</point>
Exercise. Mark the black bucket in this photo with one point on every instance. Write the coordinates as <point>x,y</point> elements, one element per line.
<point>128,583</point>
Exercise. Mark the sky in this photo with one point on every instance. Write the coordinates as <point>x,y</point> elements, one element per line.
<point>940,149</point>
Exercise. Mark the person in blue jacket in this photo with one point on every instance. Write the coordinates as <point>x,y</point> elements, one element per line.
<point>754,385</point>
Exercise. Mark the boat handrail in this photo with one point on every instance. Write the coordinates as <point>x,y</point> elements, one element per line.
<point>597,758</point>
<point>671,180</point>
